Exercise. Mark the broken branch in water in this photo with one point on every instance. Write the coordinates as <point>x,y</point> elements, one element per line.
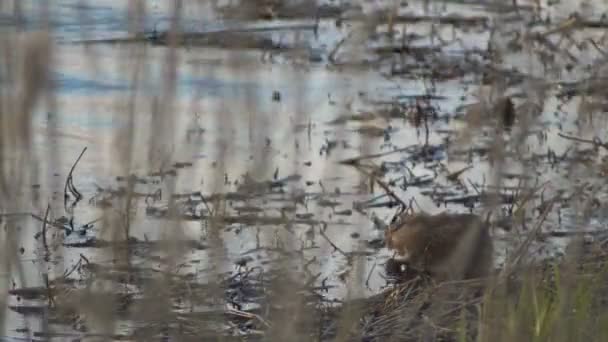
<point>382,185</point>
<point>69,185</point>
<point>596,142</point>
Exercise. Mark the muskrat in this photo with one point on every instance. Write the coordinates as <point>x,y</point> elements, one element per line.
<point>447,246</point>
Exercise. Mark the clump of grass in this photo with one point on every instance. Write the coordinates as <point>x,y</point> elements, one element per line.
<point>557,300</point>
<point>565,301</point>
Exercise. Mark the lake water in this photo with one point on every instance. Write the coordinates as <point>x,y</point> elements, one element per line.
<point>141,108</point>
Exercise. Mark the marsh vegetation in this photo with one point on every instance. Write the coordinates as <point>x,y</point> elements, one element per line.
<point>225,170</point>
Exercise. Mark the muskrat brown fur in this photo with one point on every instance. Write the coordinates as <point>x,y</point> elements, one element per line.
<point>447,246</point>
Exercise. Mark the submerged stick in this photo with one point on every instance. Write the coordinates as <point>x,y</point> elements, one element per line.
<point>596,142</point>
<point>356,160</point>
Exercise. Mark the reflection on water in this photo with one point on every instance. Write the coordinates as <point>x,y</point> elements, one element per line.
<point>239,116</point>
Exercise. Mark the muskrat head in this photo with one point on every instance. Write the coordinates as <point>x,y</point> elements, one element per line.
<point>403,233</point>
<point>393,226</point>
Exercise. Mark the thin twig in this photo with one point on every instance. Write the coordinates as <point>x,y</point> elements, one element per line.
<point>332,55</point>
<point>333,244</point>
<point>369,275</point>
<point>382,185</point>
<point>528,197</point>
<point>51,223</point>
<point>245,314</point>
<point>511,266</point>
<point>46,215</point>
<point>68,273</point>
<point>68,182</point>
<point>474,187</point>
